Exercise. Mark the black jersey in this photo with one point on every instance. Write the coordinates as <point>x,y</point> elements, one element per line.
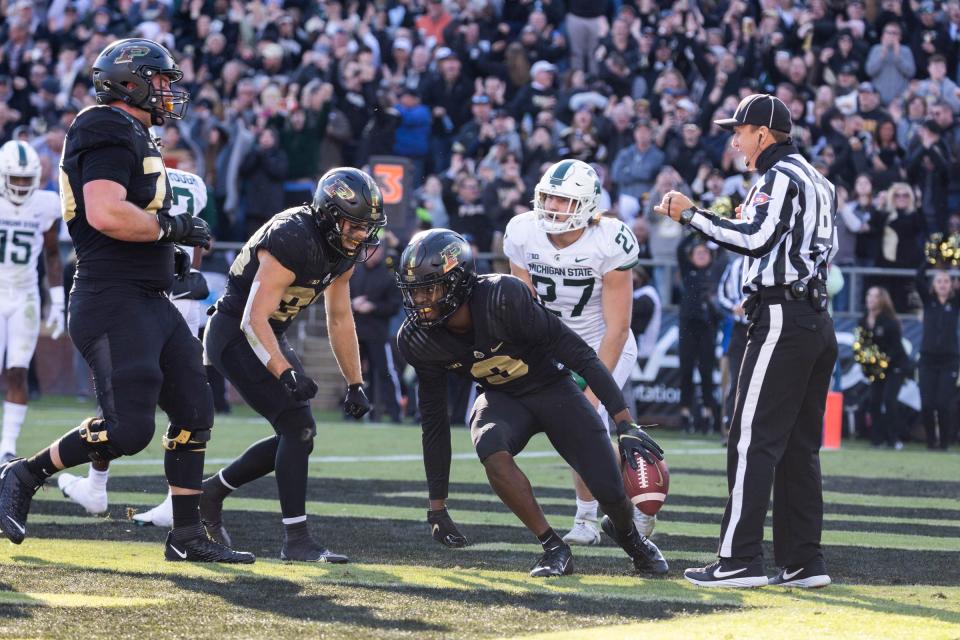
<point>517,346</point>
<point>295,240</point>
<point>106,143</point>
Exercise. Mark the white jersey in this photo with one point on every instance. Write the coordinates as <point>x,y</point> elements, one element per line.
<point>189,197</point>
<point>569,281</point>
<point>21,237</point>
<point>188,192</point>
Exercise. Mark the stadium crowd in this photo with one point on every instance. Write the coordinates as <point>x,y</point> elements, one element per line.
<point>482,95</point>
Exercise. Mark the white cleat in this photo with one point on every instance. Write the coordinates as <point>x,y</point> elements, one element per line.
<point>160,516</point>
<point>81,491</point>
<point>584,532</point>
<point>645,523</point>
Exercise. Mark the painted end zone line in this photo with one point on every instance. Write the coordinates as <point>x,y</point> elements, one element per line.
<point>403,457</point>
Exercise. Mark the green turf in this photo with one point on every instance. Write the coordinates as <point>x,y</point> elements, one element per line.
<point>892,536</point>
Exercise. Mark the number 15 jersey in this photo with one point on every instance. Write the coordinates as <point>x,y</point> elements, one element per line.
<point>21,237</point>
<point>569,281</point>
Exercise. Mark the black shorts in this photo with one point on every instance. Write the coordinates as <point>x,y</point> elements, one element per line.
<point>142,355</point>
<point>227,349</point>
<point>500,422</point>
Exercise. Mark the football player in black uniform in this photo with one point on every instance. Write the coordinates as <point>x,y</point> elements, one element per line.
<point>297,256</point>
<point>116,202</point>
<point>491,329</point>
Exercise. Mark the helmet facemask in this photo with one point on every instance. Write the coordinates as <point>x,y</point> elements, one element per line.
<point>579,184</point>
<point>340,240</point>
<point>431,302</point>
<point>19,188</point>
<point>575,217</point>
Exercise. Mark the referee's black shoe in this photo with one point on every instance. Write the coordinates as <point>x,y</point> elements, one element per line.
<point>729,572</point>
<point>555,561</point>
<point>812,575</point>
<point>645,555</point>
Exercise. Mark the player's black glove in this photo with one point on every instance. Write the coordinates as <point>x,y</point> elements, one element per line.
<point>356,404</point>
<point>184,229</point>
<point>634,440</point>
<point>298,385</point>
<point>444,530</point>
<point>181,263</point>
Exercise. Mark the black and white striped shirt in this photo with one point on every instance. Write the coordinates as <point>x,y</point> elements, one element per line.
<point>730,289</point>
<point>786,228</point>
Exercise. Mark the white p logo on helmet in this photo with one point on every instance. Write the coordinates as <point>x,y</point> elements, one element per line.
<point>19,171</point>
<point>579,183</point>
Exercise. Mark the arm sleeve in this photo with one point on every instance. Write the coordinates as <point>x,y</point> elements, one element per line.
<point>727,287</point>
<point>108,163</point>
<point>434,420</point>
<point>435,436</point>
<point>530,322</point>
<point>771,219</point>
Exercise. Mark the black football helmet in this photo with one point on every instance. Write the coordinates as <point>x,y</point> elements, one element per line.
<point>436,275</point>
<point>345,193</point>
<point>125,70</point>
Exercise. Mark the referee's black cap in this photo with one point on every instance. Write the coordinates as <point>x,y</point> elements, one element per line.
<point>762,110</point>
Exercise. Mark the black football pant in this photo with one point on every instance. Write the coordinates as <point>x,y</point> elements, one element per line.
<point>500,422</point>
<point>885,421</point>
<point>382,374</point>
<point>142,355</point>
<point>776,433</point>
<point>698,348</point>
<point>735,350</point>
<point>288,451</point>
<point>938,389</point>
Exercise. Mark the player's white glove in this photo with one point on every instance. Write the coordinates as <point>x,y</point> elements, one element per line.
<point>55,317</point>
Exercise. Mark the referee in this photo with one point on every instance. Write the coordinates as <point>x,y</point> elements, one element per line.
<point>786,231</point>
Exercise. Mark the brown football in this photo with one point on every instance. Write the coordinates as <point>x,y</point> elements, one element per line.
<point>646,486</point>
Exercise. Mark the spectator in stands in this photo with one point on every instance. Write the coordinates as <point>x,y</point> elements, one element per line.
<point>938,85</point>
<point>412,137</point>
<point>881,321</point>
<point>263,171</point>
<point>902,243</point>
<point>928,168</point>
<point>861,224</point>
<point>539,94</point>
<point>586,21</point>
<point>636,166</point>
<point>890,64</point>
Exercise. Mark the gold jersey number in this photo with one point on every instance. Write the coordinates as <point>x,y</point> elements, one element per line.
<point>499,369</point>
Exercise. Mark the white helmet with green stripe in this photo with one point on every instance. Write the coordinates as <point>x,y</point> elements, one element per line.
<point>576,181</point>
<point>19,171</point>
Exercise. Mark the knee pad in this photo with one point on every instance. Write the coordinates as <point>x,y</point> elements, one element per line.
<point>297,423</point>
<point>186,439</point>
<point>94,432</point>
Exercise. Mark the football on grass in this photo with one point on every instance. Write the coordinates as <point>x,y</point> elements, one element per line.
<point>646,486</point>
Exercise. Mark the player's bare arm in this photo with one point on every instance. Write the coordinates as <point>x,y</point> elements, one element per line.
<point>523,274</point>
<point>111,214</point>
<point>269,285</point>
<point>343,332</point>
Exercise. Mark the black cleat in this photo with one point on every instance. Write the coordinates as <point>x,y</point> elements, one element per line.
<point>556,561</point>
<point>211,515</point>
<point>645,555</point>
<point>204,550</point>
<point>306,550</point>
<point>729,572</point>
<point>17,486</point>
<point>812,575</point>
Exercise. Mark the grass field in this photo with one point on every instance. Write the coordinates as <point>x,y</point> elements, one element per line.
<point>892,543</point>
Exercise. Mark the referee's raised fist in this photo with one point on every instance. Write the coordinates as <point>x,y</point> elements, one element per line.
<point>673,204</point>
